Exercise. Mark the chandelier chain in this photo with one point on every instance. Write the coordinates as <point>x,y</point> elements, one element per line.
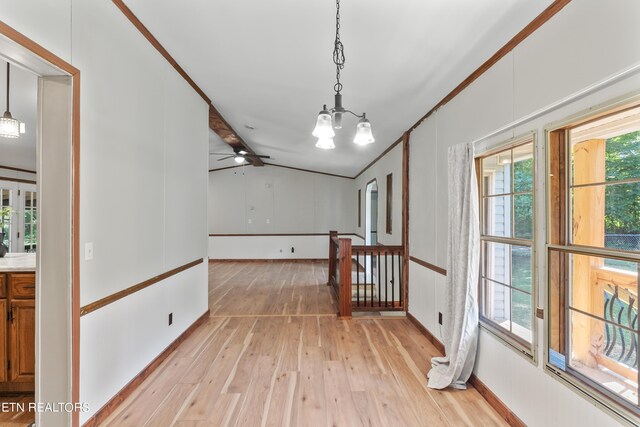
<point>338,51</point>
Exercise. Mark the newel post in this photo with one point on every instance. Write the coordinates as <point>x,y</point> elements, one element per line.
<point>344,302</point>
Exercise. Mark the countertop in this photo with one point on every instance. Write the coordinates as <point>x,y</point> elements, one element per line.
<point>18,262</point>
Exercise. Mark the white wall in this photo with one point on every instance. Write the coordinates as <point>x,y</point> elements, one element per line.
<point>144,137</point>
<point>273,247</point>
<point>562,57</point>
<point>389,163</point>
<point>276,200</point>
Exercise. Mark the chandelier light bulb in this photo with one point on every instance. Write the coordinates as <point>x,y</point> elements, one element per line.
<point>325,143</point>
<point>363,132</point>
<point>324,128</point>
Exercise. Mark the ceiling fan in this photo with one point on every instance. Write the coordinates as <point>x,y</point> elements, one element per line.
<point>240,155</point>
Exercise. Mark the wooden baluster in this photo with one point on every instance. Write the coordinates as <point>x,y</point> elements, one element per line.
<point>379,289</point>
<point>386,281</point>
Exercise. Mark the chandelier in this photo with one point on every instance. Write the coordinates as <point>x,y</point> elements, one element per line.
<point>330,119</point>
<point>9,127</point>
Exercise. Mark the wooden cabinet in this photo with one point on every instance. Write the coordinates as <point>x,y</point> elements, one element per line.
<point>22,341</point>
<point>17,331</point>
<point>3,340</point>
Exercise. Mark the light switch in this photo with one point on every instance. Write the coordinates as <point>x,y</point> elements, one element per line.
<point>88,251</point>
<point>250,220</point>
<point>268,221</point>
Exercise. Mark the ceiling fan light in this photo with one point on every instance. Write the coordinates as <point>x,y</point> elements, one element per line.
<point>325,143</point>
<point>9,127</point>
<point>238,159</point>
<point>363,133</point>
<point>324,128</point>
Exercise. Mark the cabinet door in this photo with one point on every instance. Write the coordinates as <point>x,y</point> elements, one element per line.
<point>3,340</point>
<point>22,341</point>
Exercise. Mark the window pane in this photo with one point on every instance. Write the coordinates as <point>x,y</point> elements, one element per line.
<point>5,216</point>
<point>610,362</point>
<point>521,314</point>
<point>521,268</point>
<point>614,142</point>
<point>505,265</point>
<point>591,278</point>
<point>497,303</point>
<point>496,264</point>
<point>613,224</point>
<point>602,326</point>
<point>623,157</point>
<point>496,171</point>
<point>497,216</point>
<point>523,168</point>
<point>622,216</point>
<point>523,213</point>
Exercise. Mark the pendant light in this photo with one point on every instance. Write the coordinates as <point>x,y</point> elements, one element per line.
<point>330,119</point>
<point>9,127</point>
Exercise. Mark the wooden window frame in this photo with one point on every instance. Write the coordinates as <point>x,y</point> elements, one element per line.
<point>517,343</point>
<point>389,216</point>
<point>558,250</point>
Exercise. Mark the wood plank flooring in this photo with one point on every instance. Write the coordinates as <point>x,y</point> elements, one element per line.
<point>11,416</point>
<point>269,288</point>
<point>274,354</point>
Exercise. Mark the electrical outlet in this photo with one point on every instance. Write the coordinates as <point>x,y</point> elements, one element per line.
<point>170,319</point>
<point>292,249</point>
<point>440,318</point>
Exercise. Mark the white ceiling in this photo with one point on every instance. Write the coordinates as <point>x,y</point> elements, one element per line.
<point>20,152</point>
<point>268,64</point>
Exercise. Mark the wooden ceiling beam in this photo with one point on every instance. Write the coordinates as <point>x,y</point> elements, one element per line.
<point>219,125</point>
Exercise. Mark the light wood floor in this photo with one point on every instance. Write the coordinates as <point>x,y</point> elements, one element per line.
<point>303,368</point>
<point>11,416</point>
<point>268,288</point>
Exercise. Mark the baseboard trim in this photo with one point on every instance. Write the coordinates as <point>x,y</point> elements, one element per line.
<point>109,407</point>
<point>269,260</point>
<point>493,400</point>
<point>432,339</point>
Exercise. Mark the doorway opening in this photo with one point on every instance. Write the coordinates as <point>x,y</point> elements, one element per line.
<point>371,213</point>
<point>39,276</point>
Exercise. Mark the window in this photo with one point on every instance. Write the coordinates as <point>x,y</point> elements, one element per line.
<point>6,196</point>
<point>389,203</point>
<point>18,216</point>
<point>594,257</point>
<point>30,221</point>
<point>506,279</point>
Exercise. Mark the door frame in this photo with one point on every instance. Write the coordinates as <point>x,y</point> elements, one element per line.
<point>367,210</point>
<point>37,52</point>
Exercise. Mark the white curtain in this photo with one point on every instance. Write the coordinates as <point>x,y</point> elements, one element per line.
<point>460,323</point>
